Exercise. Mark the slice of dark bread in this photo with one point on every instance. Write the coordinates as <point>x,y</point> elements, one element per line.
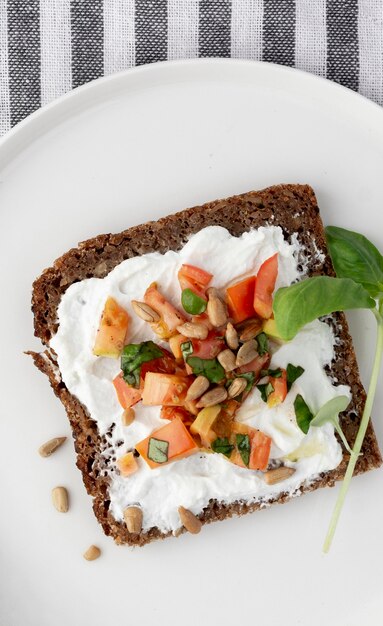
<point>295,210</point>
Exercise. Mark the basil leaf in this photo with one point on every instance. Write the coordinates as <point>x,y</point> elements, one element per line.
<point>186,349</point>
<point>222,445</point>
<point>133,356</point>
<point>192,303</point>
<point>265,390</point>
<point>210,368</point>
<point>303,414</point>
<point>329,412</point>
<point>158,450</point>
<point>263,343</point>
<point>354,256</point>
<point>243,445</point>
<point>292,374</point>
<point>303,302</point>
<point>274,373</point>
<point>250,377</point>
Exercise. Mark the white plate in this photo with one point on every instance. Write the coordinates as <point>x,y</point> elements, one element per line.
<point>117,152</point>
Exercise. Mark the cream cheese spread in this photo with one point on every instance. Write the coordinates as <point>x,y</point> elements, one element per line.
<point>195,480</point>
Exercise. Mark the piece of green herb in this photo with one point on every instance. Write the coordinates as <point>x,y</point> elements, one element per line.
<point>223,446</point>
<point>186,349</point>
<point>354,256</point>
<point>210,368</point>
<point>243,445</point>
<point>250,377</point>
<point>303,414</point>
<point>263,343</point>
<point>193,304</point>
<point>158,450</point>
<point>329,412</point>
<point>277,373</point>
<point>266,389</point>
<point>359,267</point>
<point>293,372</point>
<point>133,356</point>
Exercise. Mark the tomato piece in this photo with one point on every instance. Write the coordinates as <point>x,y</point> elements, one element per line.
<point>223,424</point>
<point>170,316</point>
<point>174,412</point>
<point>194,278</point>
<point>165,389</point>
<point>240,298</point>
<point>162,365</point>
<point>264,287</point>
<point>280,389</point>
<point>112,330</point>
<point>176,435</point>
<point>203,425</point>
<point>127,395</point>
<point>256,365</point>
<point>127,464</point>
<point>260,451</point>
<point>175,346</point>
<point>210,347</point>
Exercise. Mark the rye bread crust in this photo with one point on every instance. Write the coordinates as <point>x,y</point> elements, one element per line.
<point>295,210</point>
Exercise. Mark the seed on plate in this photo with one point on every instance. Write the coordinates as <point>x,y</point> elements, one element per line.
<point>193,330</point>
<point>60,499</point>
<point>237,387</point>
<point>189,520</point>
<point>277,475</point>
<point>133,519</point>
<point>212,397</point>
<point>197,388</point>
<point>216,309</point>
<point>231,336</point>
<point>128,416</point>
<point>227,360</point>
<point>247,352</point>
<point>92,553</point>
<point>51,446</point>
<point>145,312</point>
<point>251,329</point>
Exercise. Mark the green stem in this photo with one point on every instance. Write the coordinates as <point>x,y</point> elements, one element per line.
<point>359,438</point>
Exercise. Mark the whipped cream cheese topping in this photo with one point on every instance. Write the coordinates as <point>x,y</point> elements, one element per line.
<point>193,481</point>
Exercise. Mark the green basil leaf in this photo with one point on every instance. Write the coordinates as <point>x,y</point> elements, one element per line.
<point>303,414</point>
<point>293,372</point>
<point>210,368</point>
<point>354,256</point>
<point>133,356</point>
<point>243,445</point>
<point>222,445</point>
<point>186,349</point>
<point>192,303</point>
<point>265,389</point>
<point>303,302</point>
<point>277,373</point>
<point>329,412</point>
<point>250,377</point>
<point>263,343</point>
<point>158,450</point>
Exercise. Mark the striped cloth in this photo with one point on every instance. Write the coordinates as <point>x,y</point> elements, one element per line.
<point>48,47</point>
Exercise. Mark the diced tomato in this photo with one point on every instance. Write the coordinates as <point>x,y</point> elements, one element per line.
<point>127,396</point>
<point>203,424</point>
<point>280,389</point>
<point>256,365</point>
<point>162,365</point>
<point>181,443</point>
<point>260,451</point>
<point>210,347</point>
<point>112,330</point>
<point>127,464</point>
<point>170,316</point>
<point>165,389</point>
<point>194,278</point>
<point>264,287</point>
<point>240,298</point>
<point>223,424</point>
<point>174,412</point>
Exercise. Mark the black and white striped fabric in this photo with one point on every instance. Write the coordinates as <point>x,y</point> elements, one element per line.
<point>48,47</point>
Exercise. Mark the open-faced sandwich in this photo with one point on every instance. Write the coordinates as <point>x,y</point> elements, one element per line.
<point>185,403</point>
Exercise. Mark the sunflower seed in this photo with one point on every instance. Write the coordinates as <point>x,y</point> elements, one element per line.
<point>133,519</point>
<point>277,475</point>
<point>60,499</point>
<point>51,446</point>
<point>231,336</point>
<point>251,329</point>
<point>189,520</point>
<point>92,553</point>
<point>227,359</point>
<point>193,330</point>
<point>212,397</point>
<point>247,352</point>
<point>197,388</point>
<point>237,386</point>
<point>145,312</point>
<point>128,416</point>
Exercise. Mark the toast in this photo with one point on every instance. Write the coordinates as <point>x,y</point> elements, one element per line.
<point>292,207</point>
